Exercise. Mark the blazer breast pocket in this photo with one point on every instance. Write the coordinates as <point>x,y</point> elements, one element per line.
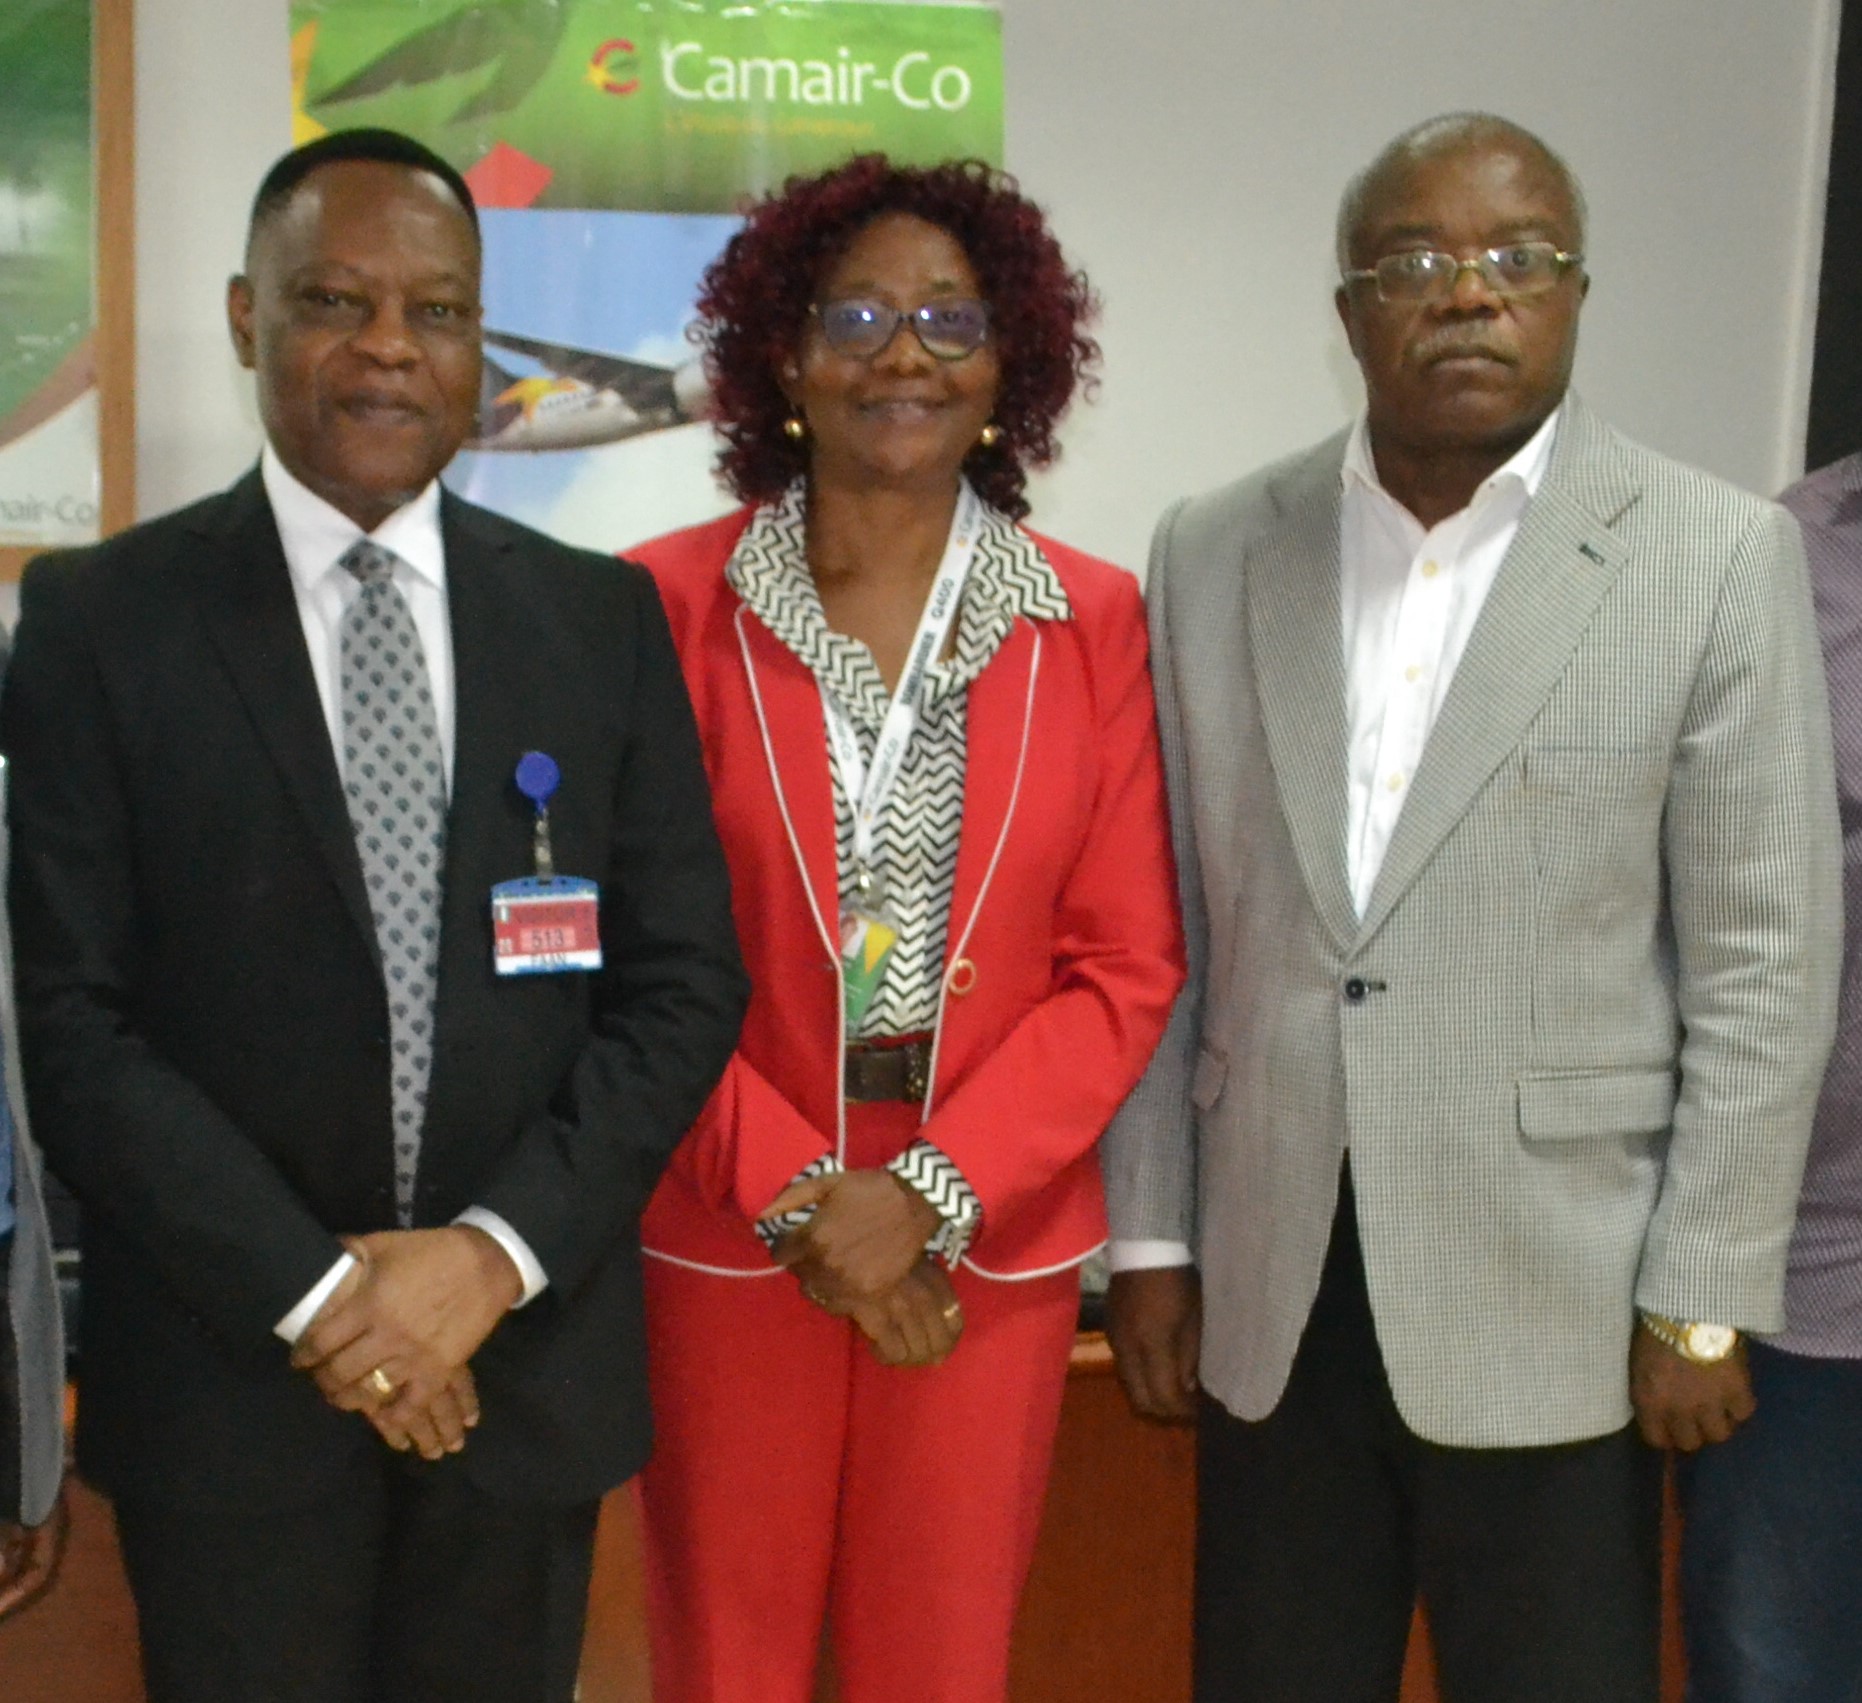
<point>1595,772</point>
<point>1592,809</point>
<point>1594,815</point>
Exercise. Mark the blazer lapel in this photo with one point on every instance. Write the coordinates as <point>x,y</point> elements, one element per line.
<point>1298,649</point>
<point>250,614</point>
<point>998,721</point>
<point>788,704</point>
<point>1561,564</point>
<point>490,659</point>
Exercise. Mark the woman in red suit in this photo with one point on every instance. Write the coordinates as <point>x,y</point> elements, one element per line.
<point>931,744</point>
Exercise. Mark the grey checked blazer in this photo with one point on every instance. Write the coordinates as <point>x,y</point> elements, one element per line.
<point>1601,951</point>
<point>37,1430</point>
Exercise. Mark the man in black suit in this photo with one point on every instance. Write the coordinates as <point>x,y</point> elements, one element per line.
<point>263,755</point>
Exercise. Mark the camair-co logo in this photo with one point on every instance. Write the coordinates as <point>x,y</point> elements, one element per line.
<point>692,74</point>
<point>614,67</point>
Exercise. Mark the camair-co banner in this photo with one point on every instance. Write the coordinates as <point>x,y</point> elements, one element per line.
<point>49,478</point>
<point>609,144</point>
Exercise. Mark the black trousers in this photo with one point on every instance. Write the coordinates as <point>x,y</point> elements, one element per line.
<point>404,1583</point>
<point>1319,1526</point>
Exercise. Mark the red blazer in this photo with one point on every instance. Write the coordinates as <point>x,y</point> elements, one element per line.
<point>1064,950</point>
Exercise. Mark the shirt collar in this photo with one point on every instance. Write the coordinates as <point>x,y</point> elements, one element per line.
<point>1523,472</point>
<point>315,534</point>
<point>1013,572</point>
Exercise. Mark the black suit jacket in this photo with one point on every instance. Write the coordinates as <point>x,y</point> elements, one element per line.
<point>205,1031</point>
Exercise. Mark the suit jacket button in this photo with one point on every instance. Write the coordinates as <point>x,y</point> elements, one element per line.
<point>1356,989</point>
<point>962,977</point>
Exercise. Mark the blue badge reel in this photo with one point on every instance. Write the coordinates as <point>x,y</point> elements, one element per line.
<point>544,924</point>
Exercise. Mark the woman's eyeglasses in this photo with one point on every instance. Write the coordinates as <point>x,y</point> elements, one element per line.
<point>860,326</point>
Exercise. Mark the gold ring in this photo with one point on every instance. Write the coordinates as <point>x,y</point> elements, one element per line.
<point>953,1312</point>
<point>379,1382</point>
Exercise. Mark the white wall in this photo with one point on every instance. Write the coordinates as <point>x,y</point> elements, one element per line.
<point>213,110</point>
<point>1191,153</point>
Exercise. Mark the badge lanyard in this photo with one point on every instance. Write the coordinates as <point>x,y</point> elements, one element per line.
<point>868,930</point>
<point>545,923</point>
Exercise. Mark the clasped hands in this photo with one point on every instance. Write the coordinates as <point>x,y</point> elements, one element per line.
<point>861,1257</point>
<point>394,1340</point>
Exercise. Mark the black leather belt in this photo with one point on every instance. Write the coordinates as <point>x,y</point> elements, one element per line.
<point>888,1070</point>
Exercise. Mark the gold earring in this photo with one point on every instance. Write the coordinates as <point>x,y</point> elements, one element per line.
<point>795,428</point>
<point>990,435</point>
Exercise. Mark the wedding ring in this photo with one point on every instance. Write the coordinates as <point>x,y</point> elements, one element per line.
<point>953,1312</point>
<point>379,1382</point>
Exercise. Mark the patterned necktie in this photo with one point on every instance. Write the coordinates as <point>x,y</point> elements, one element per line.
<point>394,775</point>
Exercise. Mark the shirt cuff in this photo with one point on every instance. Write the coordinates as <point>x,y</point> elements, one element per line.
<point>927,1168</point>
<point>529,1267</point>
<point>1148,1255</point>
<point>297,1321</point>
<point>772,1230</point>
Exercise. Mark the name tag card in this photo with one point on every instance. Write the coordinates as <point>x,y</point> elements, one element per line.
<point>545,924</point>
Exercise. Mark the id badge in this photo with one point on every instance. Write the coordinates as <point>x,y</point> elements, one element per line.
<point>544,925</point>
<point>867,938</point>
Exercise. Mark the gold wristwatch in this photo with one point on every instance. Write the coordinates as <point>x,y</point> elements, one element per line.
<point>1705,1345</point>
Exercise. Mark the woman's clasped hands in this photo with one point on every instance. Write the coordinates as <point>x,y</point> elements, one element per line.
<point>861,1257</point>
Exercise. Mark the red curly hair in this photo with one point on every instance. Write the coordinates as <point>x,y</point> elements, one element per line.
<point>755,296</point>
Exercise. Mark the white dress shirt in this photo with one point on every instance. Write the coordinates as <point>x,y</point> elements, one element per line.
<point>1409,597</point>
<point>315,537</point>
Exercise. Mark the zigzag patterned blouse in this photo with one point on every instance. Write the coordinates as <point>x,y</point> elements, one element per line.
<point>916,849</point>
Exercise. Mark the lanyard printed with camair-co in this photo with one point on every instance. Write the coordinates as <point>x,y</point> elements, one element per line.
<point>868,928</point>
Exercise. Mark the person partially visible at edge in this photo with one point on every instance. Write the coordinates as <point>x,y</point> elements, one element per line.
<point>931,738</point>
<point>1772,1552</point>
<point>265,758</point>
<point>32,1347</point>
<point>1499,765</point>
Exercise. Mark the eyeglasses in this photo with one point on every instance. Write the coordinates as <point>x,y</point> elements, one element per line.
<point>860,326</point>
<point>1427,274</point>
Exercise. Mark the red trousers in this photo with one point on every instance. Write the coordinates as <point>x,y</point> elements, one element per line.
<point>797,1482</point>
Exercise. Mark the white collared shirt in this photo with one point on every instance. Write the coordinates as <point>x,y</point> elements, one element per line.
<point>1408,600</point>
<point>315,537</point>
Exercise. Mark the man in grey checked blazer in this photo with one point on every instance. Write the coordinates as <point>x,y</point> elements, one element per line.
<point>32,1382</point>
<point>1483,1111</point>
<point>32,1350</point>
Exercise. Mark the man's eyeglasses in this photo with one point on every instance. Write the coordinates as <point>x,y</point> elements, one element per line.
<point>1427,274</point>
<point>860,326</point>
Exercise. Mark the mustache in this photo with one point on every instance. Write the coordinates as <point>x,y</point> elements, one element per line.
<point>1450,342</point>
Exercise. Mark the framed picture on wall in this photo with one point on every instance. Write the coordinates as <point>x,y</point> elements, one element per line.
<point>67,351</point>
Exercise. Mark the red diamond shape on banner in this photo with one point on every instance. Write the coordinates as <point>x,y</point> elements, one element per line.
<point>508,177</point>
